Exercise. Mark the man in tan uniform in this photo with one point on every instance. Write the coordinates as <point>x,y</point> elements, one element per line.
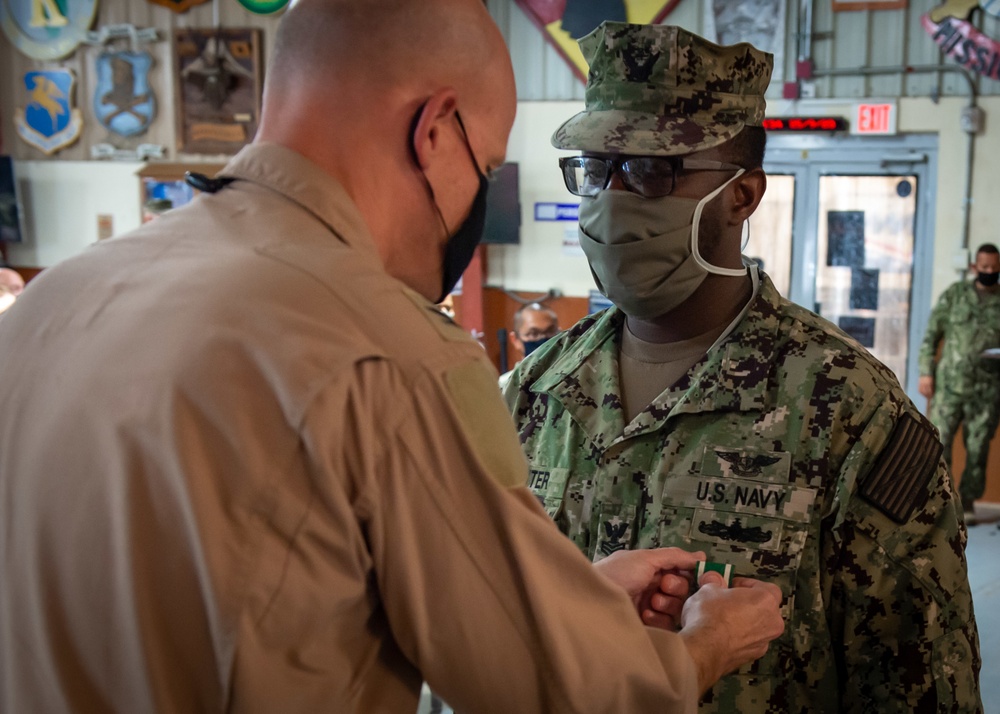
<point>306,497</point>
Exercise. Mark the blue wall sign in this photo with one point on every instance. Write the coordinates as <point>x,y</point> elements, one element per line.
<point>557,211</point>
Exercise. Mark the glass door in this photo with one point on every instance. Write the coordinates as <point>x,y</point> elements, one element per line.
<point>865,237</point>
<point>844,229</point>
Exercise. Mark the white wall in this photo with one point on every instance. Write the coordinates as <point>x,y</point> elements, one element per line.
<point>61,201</point>
<point>538,263</point>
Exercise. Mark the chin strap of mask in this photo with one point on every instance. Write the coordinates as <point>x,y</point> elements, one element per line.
<point>751,267</point>
<point>732,272</point>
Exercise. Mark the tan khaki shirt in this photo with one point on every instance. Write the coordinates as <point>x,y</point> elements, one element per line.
<point>243,469</point>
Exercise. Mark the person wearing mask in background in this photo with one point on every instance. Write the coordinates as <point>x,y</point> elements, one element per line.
<point>707,412</point>
<point>12,280</point>
<point>963,386</point>
<point>534,325</point>
<point>308,497</point>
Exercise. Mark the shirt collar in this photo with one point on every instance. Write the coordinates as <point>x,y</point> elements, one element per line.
<point>298,179</point>
<point>733,376</point>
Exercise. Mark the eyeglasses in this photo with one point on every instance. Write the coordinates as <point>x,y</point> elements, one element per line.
<point>648,176</point>
<point>539,334</point>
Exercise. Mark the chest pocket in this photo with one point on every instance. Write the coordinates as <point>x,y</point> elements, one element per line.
<point>740,509</point>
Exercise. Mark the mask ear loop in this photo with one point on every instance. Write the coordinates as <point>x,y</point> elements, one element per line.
<point>731,272</point>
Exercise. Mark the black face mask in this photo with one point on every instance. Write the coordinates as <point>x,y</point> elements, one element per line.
<point>461,247</point>
<point>987,279</point>
<point>532,345</point>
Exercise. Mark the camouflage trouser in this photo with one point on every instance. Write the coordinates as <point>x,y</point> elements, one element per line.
<point>978,414</point>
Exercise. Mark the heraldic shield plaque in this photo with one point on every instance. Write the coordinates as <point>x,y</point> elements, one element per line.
<point>49,121</point>
<point>218,88</point>
<point>47,29</point>
<point>123,100</point>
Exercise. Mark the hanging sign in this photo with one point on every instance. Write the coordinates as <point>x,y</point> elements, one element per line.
<point>962,42</point>
<point>563,22</point>
<point>47,29</point>
<point>123,100</point>
<point>948,25</point>
<point>178,5</point>
<point>50,121</point>
<point>264,7</point>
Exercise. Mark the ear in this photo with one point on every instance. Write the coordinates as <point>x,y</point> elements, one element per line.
<point>750,189</point>
<point>516,340</point>
<point>427,130</point>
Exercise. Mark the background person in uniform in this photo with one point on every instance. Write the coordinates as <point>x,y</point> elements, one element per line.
<point>12,280</point>
<point>705,411</point>
<point>308,497</point>
<point>963,386</point>
<point>534,325</point>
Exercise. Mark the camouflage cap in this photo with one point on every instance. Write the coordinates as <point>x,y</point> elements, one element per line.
<point>660,90</point>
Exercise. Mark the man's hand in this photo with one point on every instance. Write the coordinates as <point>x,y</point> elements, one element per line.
<point>925,385</point>
<point>726,628</point>
<point>658,581</point>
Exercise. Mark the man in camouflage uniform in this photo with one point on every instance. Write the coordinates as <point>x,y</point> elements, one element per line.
<point>965,384</point>
<point>707,412</point>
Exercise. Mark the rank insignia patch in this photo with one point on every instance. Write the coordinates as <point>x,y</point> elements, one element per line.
<point>123,101</point>
<point>50,121</point>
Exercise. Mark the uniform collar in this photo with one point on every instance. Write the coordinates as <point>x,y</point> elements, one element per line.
<point>298,179</point>
<point>734,376</point>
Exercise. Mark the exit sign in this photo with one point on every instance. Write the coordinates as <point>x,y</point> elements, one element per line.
<point>874,119</point>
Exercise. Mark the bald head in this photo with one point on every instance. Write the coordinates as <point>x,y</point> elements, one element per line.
<point>406,103</point>
<point>350,56</point>
<point>12,281</point>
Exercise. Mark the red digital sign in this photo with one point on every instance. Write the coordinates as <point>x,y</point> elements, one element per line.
<point>805,124</point>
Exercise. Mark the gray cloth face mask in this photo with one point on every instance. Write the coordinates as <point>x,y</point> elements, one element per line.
<point>643,252</point>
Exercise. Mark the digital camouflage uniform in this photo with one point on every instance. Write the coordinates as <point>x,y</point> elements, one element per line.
<point>787,451</point>
<point>966,386</point>
<point>791,453</point>
<point>710,92</point>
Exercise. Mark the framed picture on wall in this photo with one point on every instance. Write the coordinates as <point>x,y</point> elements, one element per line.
<point>217,85</point>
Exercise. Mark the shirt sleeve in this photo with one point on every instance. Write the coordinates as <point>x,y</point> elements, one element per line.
<point>927,357</point>
<point>496,609</point>
<point>900,601</point>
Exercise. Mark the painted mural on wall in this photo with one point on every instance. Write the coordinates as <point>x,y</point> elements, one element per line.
<point>49,121</point>
<point>123,100</point>
<point>47,29</point>
<point>948,25</point>
<point>563,22</point>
